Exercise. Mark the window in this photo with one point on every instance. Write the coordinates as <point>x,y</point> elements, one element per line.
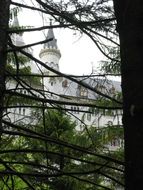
<point>77,109</point>
<point>91,110</point>
<point>112,90</point>
<point>89,116</point>
<point>65,83</point>
<point>110,123</point>
<point>115,142</point>
<point>19,110</point>
<point>83,92</point>
<point>23,111</point>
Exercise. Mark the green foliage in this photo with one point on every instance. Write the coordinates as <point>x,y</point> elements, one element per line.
<point>24,73</point>
<point>112,66</point>
<point>57,126</point>
<point>103,102</point>
<point>22,60</point>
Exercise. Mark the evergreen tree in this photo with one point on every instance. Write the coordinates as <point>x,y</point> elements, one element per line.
<point>50,154</point>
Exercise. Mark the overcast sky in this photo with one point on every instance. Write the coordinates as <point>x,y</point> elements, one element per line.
<point>79,54</point>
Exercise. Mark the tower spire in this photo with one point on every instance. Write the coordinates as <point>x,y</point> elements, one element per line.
<point>15,21</point>
<point>50,35</point>
<point>17,38</point>
<point>50,54</point>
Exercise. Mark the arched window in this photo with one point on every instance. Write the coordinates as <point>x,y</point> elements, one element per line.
<point>65,83</point>
<point>112,90</point>
<point>89,116</point>
<point>20,110</point>
<point>83,91</point>
<point>115,142</point>
<point>77,109</point>
<point>23,111</point>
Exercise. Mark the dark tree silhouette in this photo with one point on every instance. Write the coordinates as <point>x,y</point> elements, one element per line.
<point>129,25</point>
<point>4,19</point>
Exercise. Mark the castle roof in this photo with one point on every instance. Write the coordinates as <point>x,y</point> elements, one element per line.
<point>53,43</point>
<point>108,87</point>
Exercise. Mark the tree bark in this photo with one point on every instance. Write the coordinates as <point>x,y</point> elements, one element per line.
<point>4,19</point>
<point>129,14</point>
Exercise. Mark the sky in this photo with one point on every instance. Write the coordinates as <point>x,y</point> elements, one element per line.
<point>79,54</point>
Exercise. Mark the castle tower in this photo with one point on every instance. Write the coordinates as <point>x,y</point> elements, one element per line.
<point>17,38</point>
<point>50,54</point>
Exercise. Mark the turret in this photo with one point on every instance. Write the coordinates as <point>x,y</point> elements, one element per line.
<point>50,54</point>
<point>17,38</point>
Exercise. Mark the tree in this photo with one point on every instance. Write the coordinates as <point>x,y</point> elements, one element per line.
<point>52,169</point>
<point>129,25</point>
<point>4,18</point>
<point>88,18</point>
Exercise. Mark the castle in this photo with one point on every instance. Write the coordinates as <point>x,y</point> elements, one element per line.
<point>77,95</point>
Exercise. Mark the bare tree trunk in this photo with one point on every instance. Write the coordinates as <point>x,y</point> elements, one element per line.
<point>129,14</point>
<point>4,18</point>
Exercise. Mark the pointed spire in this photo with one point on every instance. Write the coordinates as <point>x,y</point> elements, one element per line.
<point>15,21</point>
<point>53,43</point>
<point>51,54</point>
<point>17,38</point>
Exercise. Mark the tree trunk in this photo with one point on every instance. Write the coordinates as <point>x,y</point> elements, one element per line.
<point>129,14</point>
<point>4,18</point>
